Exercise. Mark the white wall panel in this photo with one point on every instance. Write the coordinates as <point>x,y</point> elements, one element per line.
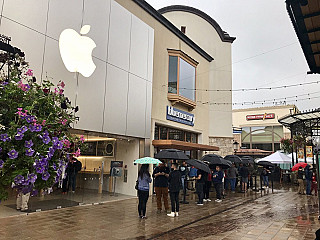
<point>139,48</point>
<point>148,109</point>
<point>119,36</point>
<point>136,117</point>
<point>64,14</point>
<point>115,101</point>
<point>30,42</point>
<point>150,54</point>
<point>32,13</point>
<point>90,99</point>
<point>96,14</point>
<point>55,70</point>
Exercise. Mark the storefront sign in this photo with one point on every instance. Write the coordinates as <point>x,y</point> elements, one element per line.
<point>180,116</point>
<point>309,152</point>
<point>261,116</point>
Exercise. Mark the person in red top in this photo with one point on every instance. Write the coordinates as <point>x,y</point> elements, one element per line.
<point>314,184</point>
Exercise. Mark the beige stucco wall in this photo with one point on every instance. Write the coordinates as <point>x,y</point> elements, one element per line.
<point>163,40</point>
<point>220,70</point>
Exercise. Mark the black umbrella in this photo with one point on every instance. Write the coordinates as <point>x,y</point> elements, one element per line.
<point>265,164</point>
<point>173,154</point>
<point>247,159</point>
<point>199,165</point>
<point>214,160</point>
<point>233,158</point>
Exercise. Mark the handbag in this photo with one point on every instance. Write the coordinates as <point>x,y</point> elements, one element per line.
<point>137,184</point>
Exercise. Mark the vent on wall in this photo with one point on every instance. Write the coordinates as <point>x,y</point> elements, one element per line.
<point>100,148</point>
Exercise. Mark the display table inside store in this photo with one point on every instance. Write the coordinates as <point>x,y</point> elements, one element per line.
<point>92,180</point>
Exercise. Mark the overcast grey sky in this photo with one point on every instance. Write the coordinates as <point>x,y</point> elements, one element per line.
<point>266,51</point>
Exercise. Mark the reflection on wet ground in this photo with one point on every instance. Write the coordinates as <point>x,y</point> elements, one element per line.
<point>280,215</point>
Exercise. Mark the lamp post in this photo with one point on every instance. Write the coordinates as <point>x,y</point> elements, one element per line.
<point>316,144</point>
<point>235,146</point>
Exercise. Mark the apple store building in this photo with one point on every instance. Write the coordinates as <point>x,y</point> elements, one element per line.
<point>104,55</point>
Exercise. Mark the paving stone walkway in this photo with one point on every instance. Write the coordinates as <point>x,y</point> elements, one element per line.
<point>280,215</point>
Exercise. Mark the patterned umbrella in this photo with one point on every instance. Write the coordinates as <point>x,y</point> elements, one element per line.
<point>147,160</point>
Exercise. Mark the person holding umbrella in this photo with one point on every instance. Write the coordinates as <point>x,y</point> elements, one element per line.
<point>175,184</point>
<point>161,175</point>
<point>200,181</point>
<point>217,182</point>
<point>143,182</point>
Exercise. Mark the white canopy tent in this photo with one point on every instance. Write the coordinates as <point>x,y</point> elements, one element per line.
<point>277,158</point>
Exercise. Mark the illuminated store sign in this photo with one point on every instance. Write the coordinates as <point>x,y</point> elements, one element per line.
<point>261,116</point>
<point>180,116</point>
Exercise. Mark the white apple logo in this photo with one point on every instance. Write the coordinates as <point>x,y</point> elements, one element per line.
<point>76,51</point>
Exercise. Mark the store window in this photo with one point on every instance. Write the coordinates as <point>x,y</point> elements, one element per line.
<point>182,75</point>
<point>165,133</point>
<point>175,134</point>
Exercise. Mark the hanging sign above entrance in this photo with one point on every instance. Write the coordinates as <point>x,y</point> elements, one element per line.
<point>261,116</point>
<point>180,116</point>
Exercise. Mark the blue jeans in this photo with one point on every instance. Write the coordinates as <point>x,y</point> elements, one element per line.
<point>232,183</point>
<point>265,181</point>
<point>308,190</point>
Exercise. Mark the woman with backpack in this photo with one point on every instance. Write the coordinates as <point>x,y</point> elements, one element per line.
<point>142,185</point>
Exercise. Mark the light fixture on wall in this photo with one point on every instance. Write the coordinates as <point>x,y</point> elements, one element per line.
<point>76,51</point>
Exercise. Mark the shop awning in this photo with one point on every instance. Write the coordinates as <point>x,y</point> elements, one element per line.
<point>187,146</point>
<point>305,17</point>
<point>252,152</point>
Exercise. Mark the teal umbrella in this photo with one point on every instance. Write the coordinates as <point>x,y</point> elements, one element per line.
<point>147,160</point>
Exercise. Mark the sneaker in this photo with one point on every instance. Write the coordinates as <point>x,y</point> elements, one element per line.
<point>200,204</point>
<point>216,200</point>
<point>208,200</point>
<point>177,214</point>
<point>204,200</point>
<point>144,217</point>
<point>171,214</point>
<point>219,200</point>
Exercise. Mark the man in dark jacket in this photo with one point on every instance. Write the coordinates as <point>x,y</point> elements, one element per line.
<point>175,185</point>
<point>74,166</point>
<point>217,177</point>
<point>161,175</point>
<point>308,173</point>
<point>244,173</point>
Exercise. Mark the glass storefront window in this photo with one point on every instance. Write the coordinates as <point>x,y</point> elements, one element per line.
<point>262,146</point>
<point>163,133</point>
<point>156,133</point>
<point>173,75</point>
<point>188,137</point>
<point>175,134</point>
<point>245,135</point>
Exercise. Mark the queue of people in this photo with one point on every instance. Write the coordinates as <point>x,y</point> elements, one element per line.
<point>311,184</point>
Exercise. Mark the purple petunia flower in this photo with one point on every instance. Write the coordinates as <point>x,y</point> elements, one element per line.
<point>29,152</point>
<point>54,166</point>
<point>39,168</point>
<point>13,154</point>
<point>55,140</point>
<point>1,163</point>
<point>45,133</point>
<point>45,176</point>
<point>18,179</point>
<point>28,144</point>
<point>19,136</point>
<point>46,139</point>
<point>59,145</point>
<point>29,118</point>
<point>34,192</point>
<point>37,128</point>
<point>32,177</point>
<point>4,137</point>
<point>23,129</point>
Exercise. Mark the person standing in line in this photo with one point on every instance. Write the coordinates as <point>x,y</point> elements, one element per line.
<point>217,182</point>
<point>308,175</point>
<point>192,175</point>
<point>161,175</point>
<point>184,172</point>
<point>232,176</point>
<point>265,177</point>
<point>175,185</point>
<point>207,186</point>
<point>74,166</point>
<point>251,173</point>
<point>314,184</point>
<point>200,181</point>
<point>144,179</point>
<point>300,181</point>
<point>244,173</point>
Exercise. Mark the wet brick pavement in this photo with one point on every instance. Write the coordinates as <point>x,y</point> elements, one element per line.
<point>281,215</point>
